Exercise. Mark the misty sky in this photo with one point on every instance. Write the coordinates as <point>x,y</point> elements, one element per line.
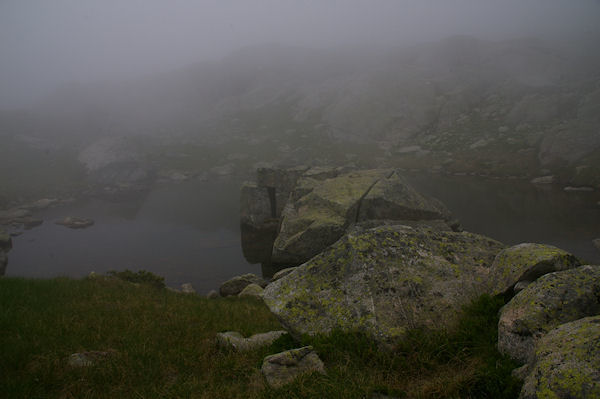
<point>46,43</point>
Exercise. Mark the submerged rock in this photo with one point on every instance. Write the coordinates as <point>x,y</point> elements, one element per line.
<point>236,285</point>
<point>75,222</point>
<point>566,363</point>
<point>384,281</point>
<point>553,299</point>
<point>235,340</point>
<point>283,368</point>
<point>525,263</point>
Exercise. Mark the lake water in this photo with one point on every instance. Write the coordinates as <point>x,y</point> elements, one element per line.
<point>189,232</point>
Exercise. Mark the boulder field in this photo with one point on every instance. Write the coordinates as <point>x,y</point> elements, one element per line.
<point>363,251</point>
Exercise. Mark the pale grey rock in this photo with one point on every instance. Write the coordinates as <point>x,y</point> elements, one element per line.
<point>543,180</point>
<point>583,188</point>
<point>252,291</point>
<point>236,285</point>
<point>551,300</point>
<point>187,288</point>
<point>283,368</point>
<point>384,281</point>
<point>212,294</point>
<point>566,363</point>
<point>526,262</point>
<point>236,341</point>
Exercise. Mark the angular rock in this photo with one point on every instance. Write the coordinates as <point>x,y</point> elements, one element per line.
<point>258,223</point>
<point>566,363</point>
<point>526,262</point>
<point>392,198</point>
<point>75,222</point>
<point>282,273</point>
<point>551,300</point>
<point>235,340</point>
<point>383,281</point>
<point>252,290</point>
<point>281,182</point>
<point>187,288</point>
<point>283,368</point>
<point>238,283</point>
<point>319,213</point>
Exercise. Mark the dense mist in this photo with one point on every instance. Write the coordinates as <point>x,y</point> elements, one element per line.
<point>46,45</point>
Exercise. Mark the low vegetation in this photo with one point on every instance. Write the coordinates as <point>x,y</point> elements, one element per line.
<point>162,345</point>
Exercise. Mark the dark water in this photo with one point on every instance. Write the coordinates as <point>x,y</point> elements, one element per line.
<point>189,232</point>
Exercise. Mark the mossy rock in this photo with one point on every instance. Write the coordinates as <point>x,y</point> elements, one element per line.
<point>567,363</point>
<point>525,263</point>
<point>383,281</point>
<point>553,299</point>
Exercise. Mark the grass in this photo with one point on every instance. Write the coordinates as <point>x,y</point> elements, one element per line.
<point>165,348</point>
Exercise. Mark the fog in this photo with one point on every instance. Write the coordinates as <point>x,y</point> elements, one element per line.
<point>46,44</point>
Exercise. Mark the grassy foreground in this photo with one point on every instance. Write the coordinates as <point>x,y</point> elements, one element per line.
<point>165,348</point>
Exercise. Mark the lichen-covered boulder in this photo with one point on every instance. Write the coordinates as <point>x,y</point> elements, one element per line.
<point>383,281</point>
<point>282,273</point>
<point>258,223</point>
<point>283,368</point>
<point>392,198</point>
<point>566,363</point>
<point>251,291</point>
<point>237,284</point>
<point>551,300</point>
<point>524,263</point>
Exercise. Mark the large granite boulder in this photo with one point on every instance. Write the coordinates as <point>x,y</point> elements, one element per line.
<point>551,300</point>
<point>524,263</point>
<point>383,281</point>
<point>259,223</point>
<point>566,363</point>
<point>319,212</point>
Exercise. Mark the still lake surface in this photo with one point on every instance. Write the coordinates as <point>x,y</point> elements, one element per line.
<point>189,231</point>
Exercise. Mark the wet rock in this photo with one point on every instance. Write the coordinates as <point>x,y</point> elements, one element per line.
<point>187,288</point>
<point>252,291</point>
<point>543,180</point>
<point>283,368</point>
<point>384,281</point>
<point>85,359</point>
<point>566,364</point>
<point>236,285</point>
<point>525,263</point>
<point>235,340</point>
<point>551,300</point>
<point>75,222</point>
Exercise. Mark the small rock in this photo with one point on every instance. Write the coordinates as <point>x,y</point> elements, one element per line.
<point>75,222</point>
<point>584,188</point>
<point>212,294</point>
<point>283,368</point>
<point>252,290</point>
<point>173,290</point>
<point>282,273</point>
<point>596,243</point>
<point>503,129</point>
<point>3,262</point>
<point>235,340</point>
<point>5,241</point>
<point>238,283</point>
<point>543,180</point>
<point>85,359</point>
<point>29,222</point>
<point>187,288</point>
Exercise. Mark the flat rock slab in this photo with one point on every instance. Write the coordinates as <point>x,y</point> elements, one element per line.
<point>567,363</point>
<point>75,222</point>
<point>525,263</point>
<point>384,281</point>
<point>235,340</point>
<point>283,368</point>
<point>553,299</point>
